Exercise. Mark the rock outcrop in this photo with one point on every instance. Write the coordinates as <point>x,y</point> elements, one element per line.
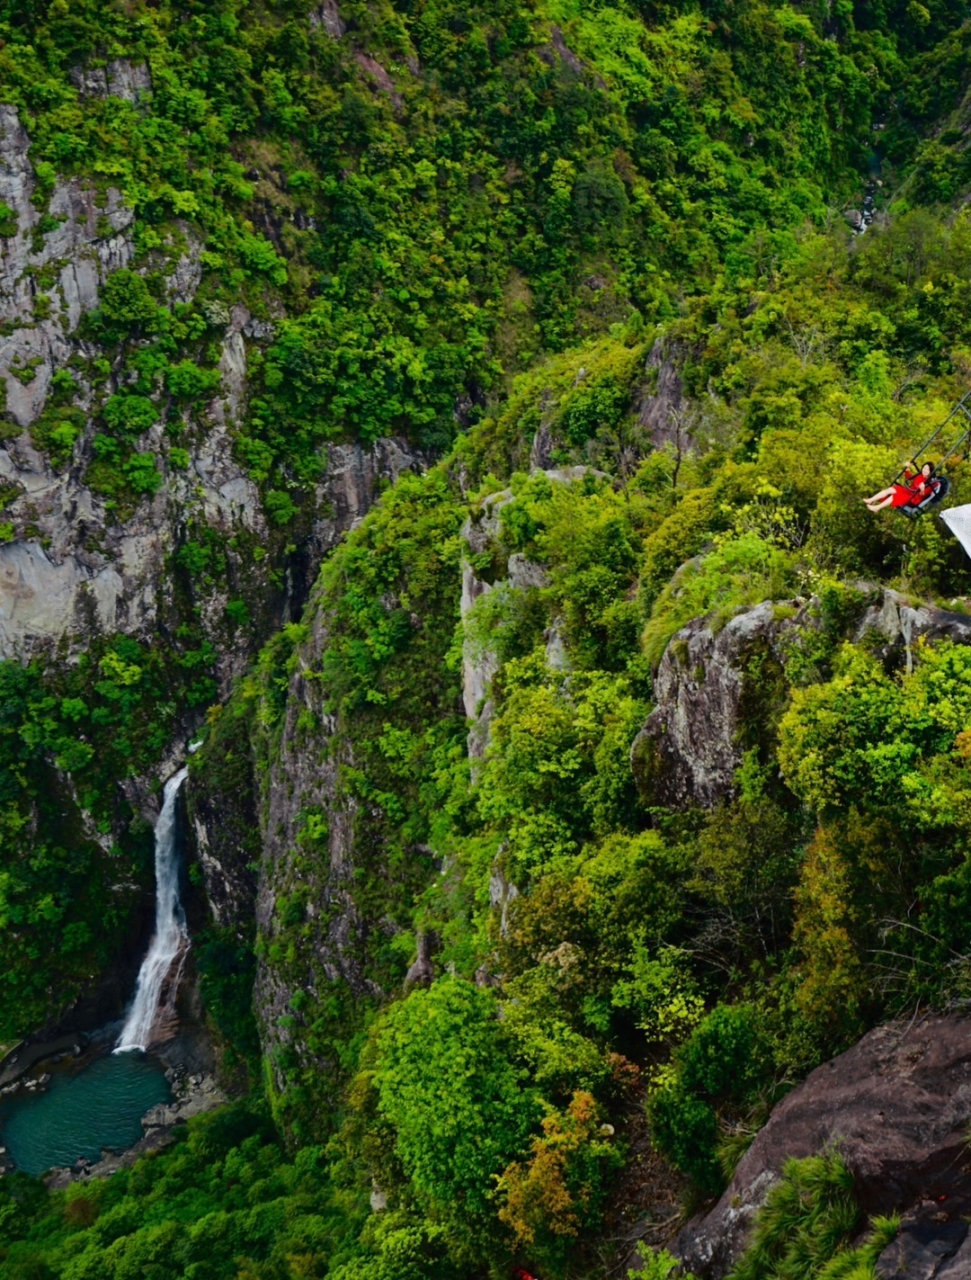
<point>691,745</point>
<point>715,690</point>
<point>120,78</point>
<point>480,661</point>
<point>897,1105</point>
<point>662,407</point>
<point>88,241</point>
<point>892,625</point>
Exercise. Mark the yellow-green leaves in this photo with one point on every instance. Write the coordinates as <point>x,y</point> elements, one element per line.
<point>868,739</point>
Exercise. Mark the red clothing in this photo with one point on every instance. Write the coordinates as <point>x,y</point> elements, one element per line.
<point>913,490</point>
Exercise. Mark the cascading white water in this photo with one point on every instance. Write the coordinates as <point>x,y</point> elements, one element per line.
<point>171,939</point>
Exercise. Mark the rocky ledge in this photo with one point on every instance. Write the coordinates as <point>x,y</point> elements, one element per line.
<point>897,1106</point>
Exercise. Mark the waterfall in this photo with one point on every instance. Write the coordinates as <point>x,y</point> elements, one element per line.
<point>170,941</point>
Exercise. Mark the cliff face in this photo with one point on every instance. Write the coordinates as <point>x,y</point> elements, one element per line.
<point>72,566</point>
<point>897,1107</point>
<point>343,855</point>
<point>81,565</point>
<point>307,820</point>
<point>718,692</point>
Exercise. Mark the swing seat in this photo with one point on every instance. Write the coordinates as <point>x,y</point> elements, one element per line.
<point>939,488</point>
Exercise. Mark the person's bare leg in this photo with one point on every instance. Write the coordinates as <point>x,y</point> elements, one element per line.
<point>880,506</point>
<point>879,497</point>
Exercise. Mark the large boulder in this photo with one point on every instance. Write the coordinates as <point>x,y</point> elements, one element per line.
<point>897,1105</point>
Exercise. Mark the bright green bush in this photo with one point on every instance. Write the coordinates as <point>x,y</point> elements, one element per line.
<point>739,572</point>
<point>455,1102</point>
<point>187,381</point>
<point>130,415</point>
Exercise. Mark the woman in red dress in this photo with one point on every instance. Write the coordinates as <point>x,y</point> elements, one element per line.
<point>909,494</point>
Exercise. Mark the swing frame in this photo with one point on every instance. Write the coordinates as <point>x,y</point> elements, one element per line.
<point>944,485</point>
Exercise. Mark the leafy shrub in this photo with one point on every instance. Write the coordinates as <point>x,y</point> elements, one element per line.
<point>130,415</point>
<point>142,475</point>
<point>741,571</point>
<point>125,307</point>
<point>721,1060</point>
<point>454,1100</point>
<point>187,381</point>
<point>8,221</point>
<point>547,1202</point>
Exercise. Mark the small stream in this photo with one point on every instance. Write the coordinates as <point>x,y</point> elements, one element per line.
<point>83,1109</point>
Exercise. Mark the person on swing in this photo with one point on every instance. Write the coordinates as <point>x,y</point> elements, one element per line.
<point>912,491</point>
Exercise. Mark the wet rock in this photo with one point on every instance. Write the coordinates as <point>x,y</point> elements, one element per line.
<point>922,1248</point>
<point>855,218</point>
<point>897,1105</point>
<point>199,1095</point>
<point>959,1266</point>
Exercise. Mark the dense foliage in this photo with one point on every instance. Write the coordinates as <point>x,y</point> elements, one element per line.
<point>503,233</point>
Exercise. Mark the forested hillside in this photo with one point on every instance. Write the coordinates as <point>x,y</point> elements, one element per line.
<point>458,418</point>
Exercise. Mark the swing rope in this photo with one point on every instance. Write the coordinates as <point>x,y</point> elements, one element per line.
<point>960,407</point>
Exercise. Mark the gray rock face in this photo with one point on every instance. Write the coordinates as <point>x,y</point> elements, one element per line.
<point>927,1247</point>
<point>302,782</point>
<point>327,16</point>
<point>76,571</point>
<point>897,1105</point>
<point>479,661</point>
<point>707,687</point>
<point>421,973</point>
<point>227,854</point>
<point>689,748</point>
<point>223,815</point>
<point>89,243</point>
<point>72,569</point>
<point>661,408</point>
<point>120,78</point>
<point>900,624</point>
